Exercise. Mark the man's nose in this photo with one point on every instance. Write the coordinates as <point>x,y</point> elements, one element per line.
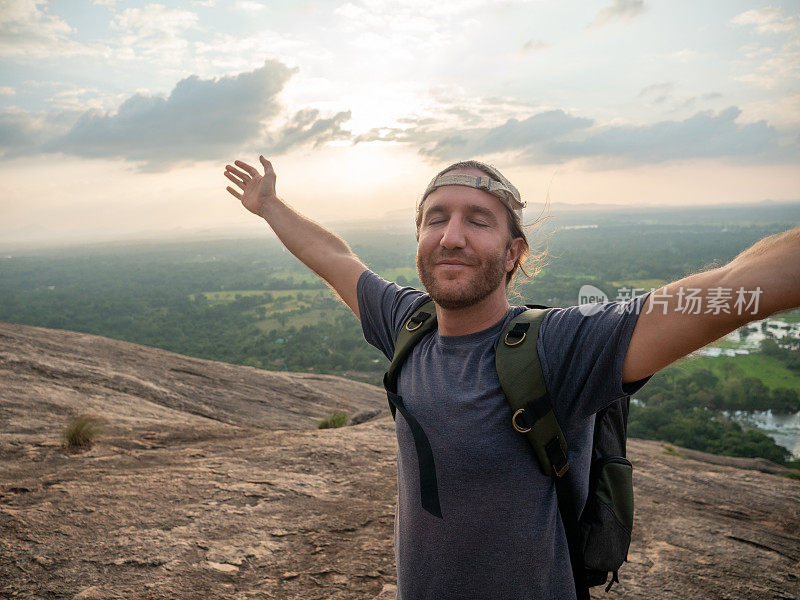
<point>453,235</point>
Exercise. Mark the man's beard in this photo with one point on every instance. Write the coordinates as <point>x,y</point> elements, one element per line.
<point>485,279</point>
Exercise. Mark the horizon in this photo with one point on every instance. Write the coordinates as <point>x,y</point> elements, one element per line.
<point>31,240</point>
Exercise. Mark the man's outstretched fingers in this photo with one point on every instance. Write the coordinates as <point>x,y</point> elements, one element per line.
<point>240,174</point>
<point>238,182</point>
<point>253,172</point>
<point>234,192</point>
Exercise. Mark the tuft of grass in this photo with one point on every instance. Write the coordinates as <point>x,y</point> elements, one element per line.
<point>81,432</point>
<point>671,451</point>
<point>337,419</point>
<point>793,475</point>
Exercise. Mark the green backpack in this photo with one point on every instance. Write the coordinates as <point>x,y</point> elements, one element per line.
<point>599,539</point>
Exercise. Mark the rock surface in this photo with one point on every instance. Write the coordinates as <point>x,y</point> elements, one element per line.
<point>212,481</point>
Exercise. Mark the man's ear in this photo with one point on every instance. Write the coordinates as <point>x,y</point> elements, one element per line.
<point>514,252</point>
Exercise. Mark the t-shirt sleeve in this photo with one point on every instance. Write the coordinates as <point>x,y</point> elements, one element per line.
<point>582,350</point>
<point>383,307</point>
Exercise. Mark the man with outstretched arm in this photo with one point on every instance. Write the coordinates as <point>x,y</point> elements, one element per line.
<point>498,534</point>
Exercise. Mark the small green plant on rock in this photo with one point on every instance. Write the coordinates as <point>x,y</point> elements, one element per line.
<point>672,451</point>
<point>337,419</point>
<point>81,432</point>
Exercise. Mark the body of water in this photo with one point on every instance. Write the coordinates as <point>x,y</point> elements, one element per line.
<point>783,428</point>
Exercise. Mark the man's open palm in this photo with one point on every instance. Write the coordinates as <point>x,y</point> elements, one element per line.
<point>257,190</point>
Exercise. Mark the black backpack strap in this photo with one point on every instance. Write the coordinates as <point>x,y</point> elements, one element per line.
<point>422,321</point>
<point>522,380</point>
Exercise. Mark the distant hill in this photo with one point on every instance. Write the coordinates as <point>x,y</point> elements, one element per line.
<point>212,482</point>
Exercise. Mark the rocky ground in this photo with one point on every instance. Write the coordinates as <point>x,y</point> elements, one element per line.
<point>212,481</point>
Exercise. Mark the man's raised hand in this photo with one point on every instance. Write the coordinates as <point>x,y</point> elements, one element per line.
<point>257,190</point>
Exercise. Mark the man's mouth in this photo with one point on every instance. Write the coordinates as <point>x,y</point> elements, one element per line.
<point>452,262</point>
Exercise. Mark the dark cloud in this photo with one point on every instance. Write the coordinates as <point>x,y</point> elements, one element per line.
<point>307,127</point>
<point>202,119</point>
<point>18,130</point>
<point>22,132</point>
<point>453,143</point>
<point>704,135</point>
<point>556,137</point>
<point>619,10</point>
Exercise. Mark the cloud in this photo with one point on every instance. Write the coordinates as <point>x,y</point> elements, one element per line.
<point>200,120</point>
<point>153,20</point>
<point>154,31</point>
<point>769,66</point>
<point>618,10</point>
<point>768,20</point>
<point>29,31</point>
<point>249,6</point>
<point>704,135</point>
<point>534,45</point>
<point>401,31</point>
<point>657,89</point>
<point>306,126</point>
<point>453,143</point>
<point>556,137</point>
<point>773,64</point>
<point>780,111</point>
<point>22,132</point>
<point>166,40</point>
<point>660,92</point>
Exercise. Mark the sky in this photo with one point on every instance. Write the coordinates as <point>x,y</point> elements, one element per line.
<point>117,118</point>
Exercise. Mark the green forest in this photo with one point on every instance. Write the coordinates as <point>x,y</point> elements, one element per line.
<point>250,302</point>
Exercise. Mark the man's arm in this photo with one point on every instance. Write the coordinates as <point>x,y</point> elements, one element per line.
<point>768,275</point>
<point>319,249</point>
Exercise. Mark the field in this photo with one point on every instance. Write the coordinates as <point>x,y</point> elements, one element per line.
<point>770,371</point>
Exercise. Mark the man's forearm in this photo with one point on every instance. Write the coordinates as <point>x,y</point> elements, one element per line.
<point>309,241</point>
<point>773,265</point>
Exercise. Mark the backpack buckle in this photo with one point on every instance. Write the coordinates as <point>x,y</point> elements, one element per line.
<point>518,331</point>
<point>519,341</point>
<point>417,321</point>
<point>558,459</point>
<point>514,422</point>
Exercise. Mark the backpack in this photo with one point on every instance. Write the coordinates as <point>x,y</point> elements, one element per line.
<point>599,539</point>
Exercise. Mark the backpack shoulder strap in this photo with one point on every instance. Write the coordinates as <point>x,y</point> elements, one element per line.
<point>522,380</point>
<point>412,331</point>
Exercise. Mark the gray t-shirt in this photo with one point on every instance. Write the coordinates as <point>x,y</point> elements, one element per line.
<point>500,535</point>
